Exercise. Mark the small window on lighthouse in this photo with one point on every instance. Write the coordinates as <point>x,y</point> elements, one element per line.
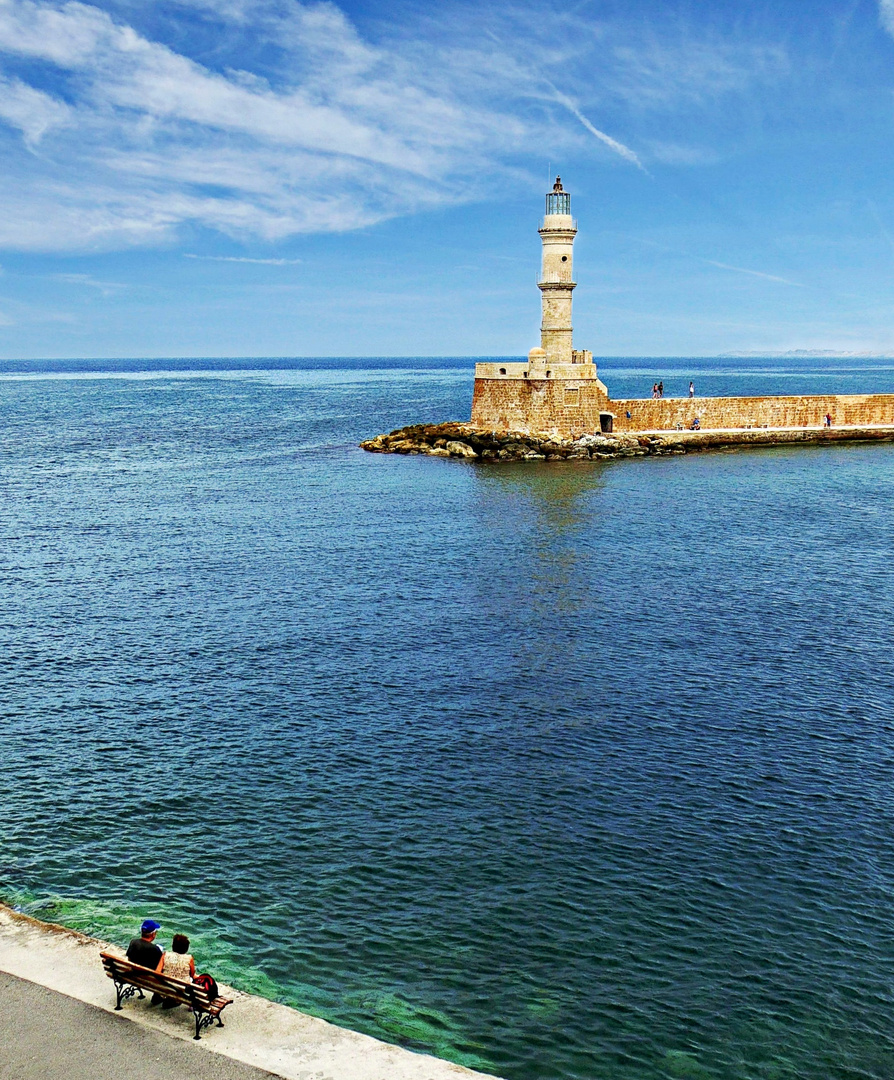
<point>564,258</point>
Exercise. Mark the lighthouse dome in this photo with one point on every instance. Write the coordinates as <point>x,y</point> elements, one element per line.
<point>558,201</point>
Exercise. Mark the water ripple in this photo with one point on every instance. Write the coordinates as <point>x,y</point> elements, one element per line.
<point>572,771</point>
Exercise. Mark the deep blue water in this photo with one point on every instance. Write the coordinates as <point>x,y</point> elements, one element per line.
<point>567,770</point>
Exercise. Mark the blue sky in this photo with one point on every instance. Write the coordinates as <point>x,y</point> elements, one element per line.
<point>268,177</point>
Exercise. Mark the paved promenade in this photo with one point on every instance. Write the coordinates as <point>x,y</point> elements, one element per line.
<point>44,1033</point>
<point>57,1019</point>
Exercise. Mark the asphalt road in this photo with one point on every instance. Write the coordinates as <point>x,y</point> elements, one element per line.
<point>48,1036</point>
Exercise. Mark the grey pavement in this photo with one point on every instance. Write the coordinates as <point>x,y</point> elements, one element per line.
<point>45,1035</point>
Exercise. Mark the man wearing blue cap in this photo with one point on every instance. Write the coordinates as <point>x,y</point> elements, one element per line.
<point>143,950</point>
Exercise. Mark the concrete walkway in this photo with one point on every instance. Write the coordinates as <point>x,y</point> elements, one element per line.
<point>46,1034</point>
<point>70,1032</point>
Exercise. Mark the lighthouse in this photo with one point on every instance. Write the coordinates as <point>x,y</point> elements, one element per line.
<point>556,276</point>
<point>557,232</point>
<point>557,388</point>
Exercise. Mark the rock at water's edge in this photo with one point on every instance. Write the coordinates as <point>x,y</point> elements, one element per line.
<point>460,440</point>
<point>463,441</point>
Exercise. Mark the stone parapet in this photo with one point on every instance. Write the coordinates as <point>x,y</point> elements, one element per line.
<point>668,414</point>
<point>569,400</point>
<point>516,370</point>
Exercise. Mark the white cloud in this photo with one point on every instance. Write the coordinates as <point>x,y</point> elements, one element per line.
<point>68,35</point>
<point>29,110</point>
<point>235,10</point>
<point>126,71</point>
<point>886,14</point>
<point>303,124</point>
<point>244,259</point>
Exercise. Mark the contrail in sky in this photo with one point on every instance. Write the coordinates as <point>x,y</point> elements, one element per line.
<point>755,273</point>
<point>613,144</point>
<point>721,265</point>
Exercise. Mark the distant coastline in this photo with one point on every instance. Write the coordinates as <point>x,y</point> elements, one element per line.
<point>807,354</point>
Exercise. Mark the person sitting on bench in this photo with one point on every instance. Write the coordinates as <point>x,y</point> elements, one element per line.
<point>695,425</point>
<point>142,950</point>
<point>177,964</point>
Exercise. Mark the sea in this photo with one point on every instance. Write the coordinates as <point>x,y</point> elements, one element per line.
<point>562,771</point>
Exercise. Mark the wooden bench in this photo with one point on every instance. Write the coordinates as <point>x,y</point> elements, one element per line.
<point>133,979</point>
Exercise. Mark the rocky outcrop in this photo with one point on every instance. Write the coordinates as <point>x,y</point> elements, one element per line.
<point>457,440</point>
<point>465,441</point>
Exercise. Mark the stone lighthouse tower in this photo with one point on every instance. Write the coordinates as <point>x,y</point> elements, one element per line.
<point>557,389</point>
<point>556,278</point>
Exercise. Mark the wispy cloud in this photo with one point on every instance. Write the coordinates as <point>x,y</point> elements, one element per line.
<point>30,110</point>
<point>243,259</point>
<point>287,119</point>
<point>754,273</point>
<point>670,153</point>
<point>681,67</point>
<point>107,288</point>
<point>886,14</point>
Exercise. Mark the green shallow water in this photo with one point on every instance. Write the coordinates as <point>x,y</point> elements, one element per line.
<point>576,770</point>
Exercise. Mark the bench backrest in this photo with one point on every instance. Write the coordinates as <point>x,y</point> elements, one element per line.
<point>187,993</point>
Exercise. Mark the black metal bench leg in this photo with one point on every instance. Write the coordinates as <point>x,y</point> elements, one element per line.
<point>124,990</point>
<point>203,1020</point>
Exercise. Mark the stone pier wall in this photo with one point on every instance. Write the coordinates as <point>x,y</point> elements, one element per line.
<point>571,407</point>
<point>753,412</point>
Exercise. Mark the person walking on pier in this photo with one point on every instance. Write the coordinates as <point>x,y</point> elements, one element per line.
<point>692,389</point>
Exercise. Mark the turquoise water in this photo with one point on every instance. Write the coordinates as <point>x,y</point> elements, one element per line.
<point>572,770</point>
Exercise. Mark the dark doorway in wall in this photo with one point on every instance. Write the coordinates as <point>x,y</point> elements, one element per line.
<point>606,422</point>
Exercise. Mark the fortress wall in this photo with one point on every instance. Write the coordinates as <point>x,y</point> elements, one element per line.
<point>568,407</point>
<point>667,413</point>
<point>571,407</point>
